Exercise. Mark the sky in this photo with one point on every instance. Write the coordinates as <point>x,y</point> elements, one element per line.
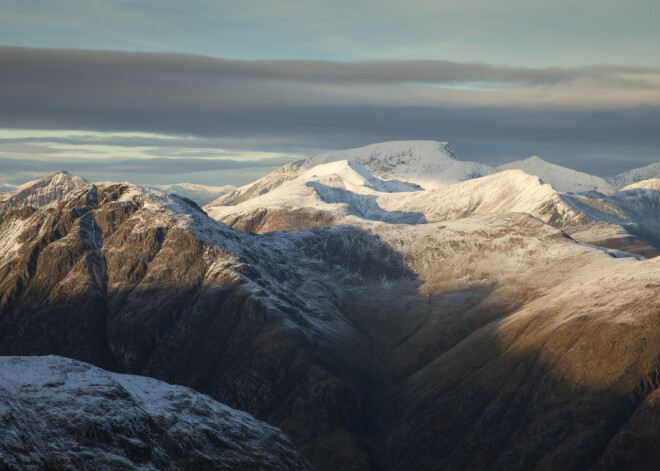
<point>223,92</point>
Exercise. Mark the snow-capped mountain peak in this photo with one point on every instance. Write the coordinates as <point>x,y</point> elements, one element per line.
<point>636,175</point>
<point>560,178</point>
<point>428,163</point>
<point>45,192</point>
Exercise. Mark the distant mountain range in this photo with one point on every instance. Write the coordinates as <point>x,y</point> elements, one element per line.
<point>388,307</point>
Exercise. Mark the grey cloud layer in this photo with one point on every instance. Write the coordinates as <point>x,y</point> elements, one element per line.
<point>321,105</point>
<point>159,166</point>
<point>63,65</point>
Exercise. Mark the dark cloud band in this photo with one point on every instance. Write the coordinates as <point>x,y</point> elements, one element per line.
<point>312,105</point>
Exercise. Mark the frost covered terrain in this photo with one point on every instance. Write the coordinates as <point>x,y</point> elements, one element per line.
<point>200,194</point>
<point>489,321</point>
<point>560,178</point>
<point>311,194</point>
<point>637,175</point>
<point>44,192</point>
<point>63,414</point>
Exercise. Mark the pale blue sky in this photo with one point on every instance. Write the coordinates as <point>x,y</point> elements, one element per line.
<point>500,80</point>
<point>528,33</point>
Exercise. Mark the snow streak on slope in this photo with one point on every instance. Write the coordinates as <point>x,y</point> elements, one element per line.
<point>45,192</point>
<point>636,175</point>
<point>59,413</point>
<point>561,178</point>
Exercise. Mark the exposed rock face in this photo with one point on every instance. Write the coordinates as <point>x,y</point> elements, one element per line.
<point>494,338</point>
<point>146,283</point>
<point>262,220</point>
<point>63,414</point>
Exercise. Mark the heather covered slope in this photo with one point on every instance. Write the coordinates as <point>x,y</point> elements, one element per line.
<point>327,334</point>
<point>62,414</point>
<point>567,381</point>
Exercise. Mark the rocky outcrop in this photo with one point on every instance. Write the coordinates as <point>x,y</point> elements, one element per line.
<point>62,414</point>
<point>45,192</point>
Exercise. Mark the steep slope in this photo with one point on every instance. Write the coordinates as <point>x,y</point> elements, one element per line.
<point>560,178</point>
<point>143,282</point>
<point>45,192</point>
<point>568,381</point>
<point>427,163</point>
<point>636,175</point>
<point>200,194</point>
<point>351,339</point>
<point>63,414</point>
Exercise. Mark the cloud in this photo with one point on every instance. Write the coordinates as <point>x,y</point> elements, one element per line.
<point>203,104</point>
<point>160,166</point>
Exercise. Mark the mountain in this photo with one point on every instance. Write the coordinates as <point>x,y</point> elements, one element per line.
<point>425,163</point>
<point>560,178</point>
<point>200,194</point>
<point>321,195</point>
<point>6,188</point>
<point>45,192</point>
<point>636,175</point>
<point>444,345</point>
<point>345,192</point>
<point>627,220</point>
<point>62,414</point>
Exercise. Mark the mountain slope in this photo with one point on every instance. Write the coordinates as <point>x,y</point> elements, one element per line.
<point>425,163</point>
<point>63,414</point>
<point>560,178</point>
<point>626,220</point>
<point>572,371</point>
<point>200,194</point>
<point>326,193</point>
<point>365,343</point>
<point>636,175</point>
<point>45,192</point>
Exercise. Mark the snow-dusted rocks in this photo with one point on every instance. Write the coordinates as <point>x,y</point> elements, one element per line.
<point>200,194</point>
<point>45,192</point>
<point>58,413</point>
<point>560,178</point>
<point>636,175</point>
